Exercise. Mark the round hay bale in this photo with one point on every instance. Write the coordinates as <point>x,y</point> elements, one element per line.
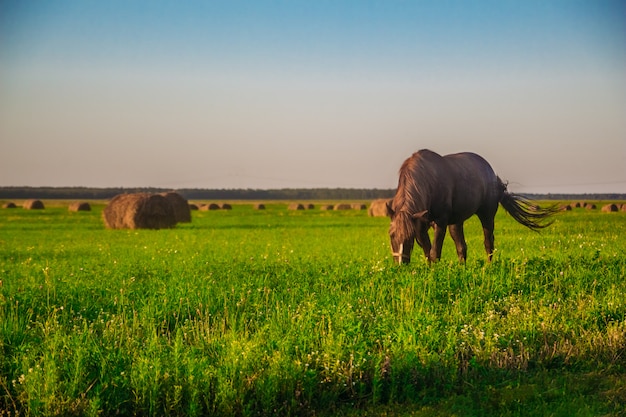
<point>295,206</point>
<point>566,207</point>
<point>114,214</point>
<point>590,206</point>
<point>378,208</point>
<point>225,206</point>
<point>310,206</point>
<point>327,207</point>
<point>358,206</point>
<point>610,208</point>
<point>210,206</point>
<point>259,206</point>
<point>578,204</point>
<point>33,205</point>
<point>79,206</point>
<point>193,206</point>
<point>623,208</point>
<point>343,206</point>
<point>139,211</point>
<point>182,213</point>
<point>8,205</point>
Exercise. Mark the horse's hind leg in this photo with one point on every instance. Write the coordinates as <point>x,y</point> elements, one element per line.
<point>488,226</point>
<point>458,235</point>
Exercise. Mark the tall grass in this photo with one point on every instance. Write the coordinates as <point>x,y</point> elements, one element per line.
<point>303,313</point>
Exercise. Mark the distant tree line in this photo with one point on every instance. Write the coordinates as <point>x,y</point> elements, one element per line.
<point>88,193</point>
<point>576,197</point>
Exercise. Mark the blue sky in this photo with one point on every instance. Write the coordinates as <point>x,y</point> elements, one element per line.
<point>274,94</point>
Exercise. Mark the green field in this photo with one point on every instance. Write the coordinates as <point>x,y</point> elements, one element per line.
<point>279,312</point>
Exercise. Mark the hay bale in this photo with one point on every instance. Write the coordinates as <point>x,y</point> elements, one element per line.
<point>358,206</point>
<point>610,208</point>
<point>210,206</point>
<point>139,211</point>
<point>259,206</point>
<point>193,206</point>
<point>566,207</point>
<point>9,205</point>
<point>33,205</point>
<point>590,206</point>
<point>79,206</point>
<point>225,206</point>
<point>623,208</point>
<point>327,207</point>
<point>578,204</point>
<point>295,206</point>
<point>182,213</point>
<point>310,206</point>
<point>378,208</point>
<point>343,206</point>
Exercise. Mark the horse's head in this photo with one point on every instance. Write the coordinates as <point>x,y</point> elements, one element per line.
<point>402,232</point>
<point>404,229</point>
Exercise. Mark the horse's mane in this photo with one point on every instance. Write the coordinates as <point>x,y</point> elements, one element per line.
<point>409,198</point>
<point>414,180</point>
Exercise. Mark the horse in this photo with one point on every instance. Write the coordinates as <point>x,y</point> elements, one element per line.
<point>444,191</point>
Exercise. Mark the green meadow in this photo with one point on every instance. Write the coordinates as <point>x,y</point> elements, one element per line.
<point>274,312</point>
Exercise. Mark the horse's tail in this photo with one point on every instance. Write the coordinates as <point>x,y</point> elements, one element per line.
<point>525,211</point>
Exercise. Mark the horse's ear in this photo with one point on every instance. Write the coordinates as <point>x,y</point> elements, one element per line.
<point>422,216</point>
<point>390,211</point>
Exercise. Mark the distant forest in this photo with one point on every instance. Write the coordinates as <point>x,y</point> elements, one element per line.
<point>87,193</point>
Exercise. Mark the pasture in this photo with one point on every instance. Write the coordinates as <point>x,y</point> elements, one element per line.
<point>275,312</point>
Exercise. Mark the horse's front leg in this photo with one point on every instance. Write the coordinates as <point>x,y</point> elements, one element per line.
<point>458,235</point>
<point>424,241</point>
<point>440,233</point>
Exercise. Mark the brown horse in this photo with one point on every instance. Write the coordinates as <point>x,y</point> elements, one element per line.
<point>443,192</point>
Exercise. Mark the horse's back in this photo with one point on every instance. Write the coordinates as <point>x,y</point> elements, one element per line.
<point>468,167</point>
<point>462,162</point>
<point>469,161</point>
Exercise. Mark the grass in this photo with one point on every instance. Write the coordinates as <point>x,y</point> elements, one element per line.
<point>303,313</point>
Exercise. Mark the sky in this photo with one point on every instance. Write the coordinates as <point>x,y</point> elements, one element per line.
<point>305,94</point>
